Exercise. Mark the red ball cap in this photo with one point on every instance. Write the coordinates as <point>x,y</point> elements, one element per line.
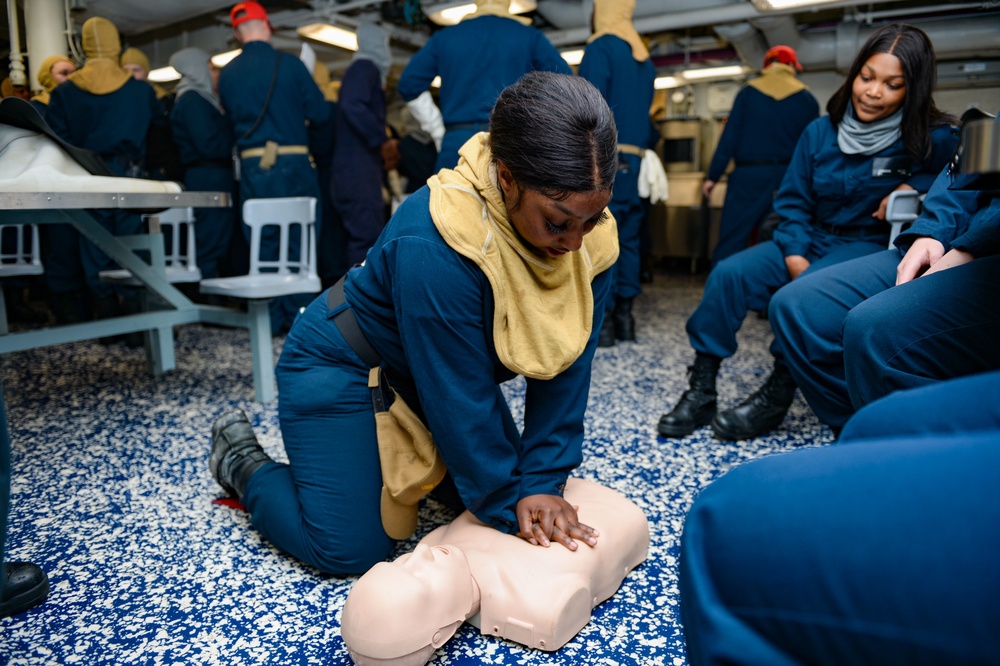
<point>782,54</point>
<point>247,11</point>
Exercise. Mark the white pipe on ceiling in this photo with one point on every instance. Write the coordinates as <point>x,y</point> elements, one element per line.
<point>44,21</point>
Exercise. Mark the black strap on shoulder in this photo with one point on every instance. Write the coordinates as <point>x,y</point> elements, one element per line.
<point>267,100</point>
<point>348,325</point>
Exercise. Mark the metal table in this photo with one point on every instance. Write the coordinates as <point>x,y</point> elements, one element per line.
<point>71,208</point>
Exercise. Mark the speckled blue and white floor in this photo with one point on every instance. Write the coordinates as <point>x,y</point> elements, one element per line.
<point>111,495</point>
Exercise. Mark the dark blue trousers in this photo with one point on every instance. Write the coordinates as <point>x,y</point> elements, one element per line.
<point>323,508</point>
<point>629,212</point>
<point>807,316</point>
<point>94,260</point>
<point>878,551</point>
<point>933,328</point>
<point>749,195</point>
<point>213,226</point>
<point>746,281</point>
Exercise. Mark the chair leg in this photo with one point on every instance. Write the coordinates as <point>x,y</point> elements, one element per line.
<point>261,351</point>
<point>3,314</point>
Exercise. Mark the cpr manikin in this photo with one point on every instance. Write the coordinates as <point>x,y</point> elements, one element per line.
<point>400,612</point>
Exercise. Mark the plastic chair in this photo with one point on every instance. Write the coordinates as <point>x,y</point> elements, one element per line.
<point>903,208</point>
<point>270,278</point>
<point>181,263</point>
<point>23,258</point>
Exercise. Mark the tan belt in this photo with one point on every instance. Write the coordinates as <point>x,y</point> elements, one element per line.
<point>629,149</point>
<point>269,152</point>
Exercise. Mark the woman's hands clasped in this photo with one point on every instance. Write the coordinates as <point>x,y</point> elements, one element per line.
<point>546,518</point>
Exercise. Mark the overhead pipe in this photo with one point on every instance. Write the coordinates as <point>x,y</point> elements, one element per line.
<point>744,38</point>
<point>47,34</point>
<point>17,76</point>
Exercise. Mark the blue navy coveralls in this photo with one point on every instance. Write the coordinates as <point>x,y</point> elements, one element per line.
<point>357,158</point>
<point>760,136</point>
<point>115,126</point>
<point>627,86</point>
<point>476,59</point>
<point>204,142</point>
<point>826,201</point>
<point>878,550</point>
<point>808,314</point>
<point>428,312</point>
<point>243,86</point>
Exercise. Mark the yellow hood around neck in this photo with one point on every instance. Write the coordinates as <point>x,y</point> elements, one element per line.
<point>544,306</point>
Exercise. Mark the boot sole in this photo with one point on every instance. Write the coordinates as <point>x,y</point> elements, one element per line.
<point>723,433</point>
<point>682,431</point>
<point>26,600</point>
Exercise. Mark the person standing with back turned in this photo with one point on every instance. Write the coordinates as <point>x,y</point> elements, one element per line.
<point>617,63</point>
<point>487,51</point>
<point>764,125</point>
<point>268,97</point>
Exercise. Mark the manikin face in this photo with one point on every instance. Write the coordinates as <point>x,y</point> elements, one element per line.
<point>61,71</point>
<point>403,610</point>
<point>137,71</point>
<point>879,88</point>
<point>551,228</point>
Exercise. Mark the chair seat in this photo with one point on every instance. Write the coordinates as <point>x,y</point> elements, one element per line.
<point>262,285</point>
<point>175,275</point>
<point>10,270</point>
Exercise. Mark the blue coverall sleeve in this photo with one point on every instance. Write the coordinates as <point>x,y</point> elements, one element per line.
<point>554,416</point>
<point>419,72</point>
<point>983,236</point>
<point>796,198</point>
<point>56,116</point>
<point>316,108</point>
<point>944,140</point>
<point>945,214</point>
<point>360,97</point>
<point>545,57</point>
<point>596,67</point>
<point>727,142</point>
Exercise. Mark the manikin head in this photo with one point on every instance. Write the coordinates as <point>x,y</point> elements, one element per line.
<point>400,612</point>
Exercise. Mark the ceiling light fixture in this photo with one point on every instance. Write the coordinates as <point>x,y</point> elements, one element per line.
<point>163,75</point>
<point>330,34</point>
<point>665,82</point>
<point>726,72</point>
<point>222,59</point>
<point>776,5</point>
<point>450,13</point>
<point>573,56</point>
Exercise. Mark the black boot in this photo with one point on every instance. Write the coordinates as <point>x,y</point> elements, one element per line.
<point>606,338</point>
<point>623,320</point>
<point>762,412</point>
<point>24,587</point>
<point>18,308</point>
<point>698,404</point>
<point>236,454</point>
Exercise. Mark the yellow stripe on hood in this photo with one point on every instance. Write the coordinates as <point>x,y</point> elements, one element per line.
<point>544,306</point>
<point>778,81</point>
<point>101,74</point>
<point>614,17</point>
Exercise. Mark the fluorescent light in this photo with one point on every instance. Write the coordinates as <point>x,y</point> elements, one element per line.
<point>330,34</point>
<point>222,59</point>
<point>450,13</point>
<point>572,57</point>
<point>664,82</point>
<point>775,5</point>
<point>163,75</point>
<point>728,71</point>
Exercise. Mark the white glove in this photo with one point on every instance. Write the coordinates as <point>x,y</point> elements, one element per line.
<point>429,116</point>
<point>652,178</point>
